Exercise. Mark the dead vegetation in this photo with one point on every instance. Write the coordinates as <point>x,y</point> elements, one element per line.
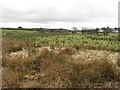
<point>70,67</point>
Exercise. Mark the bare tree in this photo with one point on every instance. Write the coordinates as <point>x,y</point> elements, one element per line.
<point>74,30</point>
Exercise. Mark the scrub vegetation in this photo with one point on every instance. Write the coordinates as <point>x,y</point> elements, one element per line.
<point>59,60</point>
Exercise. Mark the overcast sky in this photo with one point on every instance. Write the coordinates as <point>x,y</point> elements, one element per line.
<point>59,13</point>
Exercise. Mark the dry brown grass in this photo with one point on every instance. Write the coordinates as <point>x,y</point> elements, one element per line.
<point>9,46</point>
<point>95,73</point>
<point>50,69</point>
<point>10,78</point>
<point>66,51</point>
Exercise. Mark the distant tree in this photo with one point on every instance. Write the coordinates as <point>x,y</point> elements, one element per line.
<point>115,28</point>
<point>96,30</point>
<point>119,30</point>
<point>103,28</point>
<point>74,29</point>
<point>106,31</point>
<point>20,27</point>
<point>83,30</point>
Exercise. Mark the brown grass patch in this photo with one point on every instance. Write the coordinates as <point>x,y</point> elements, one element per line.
<point>50,69</point>
<point>66,51</point>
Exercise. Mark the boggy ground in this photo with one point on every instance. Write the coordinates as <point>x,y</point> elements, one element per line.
<point>58,67</point>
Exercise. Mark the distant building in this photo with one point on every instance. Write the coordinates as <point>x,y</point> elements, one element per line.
<point>101,30</point>
<point>115,30</point>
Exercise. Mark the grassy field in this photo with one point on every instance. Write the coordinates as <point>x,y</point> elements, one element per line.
<point>65,39</point>
<point>59,60</point>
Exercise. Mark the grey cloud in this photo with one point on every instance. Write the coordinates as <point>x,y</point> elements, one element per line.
<point>119,14</point>
<point>52,14</point>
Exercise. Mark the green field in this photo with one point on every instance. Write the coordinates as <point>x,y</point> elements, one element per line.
<point>100,41</point>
